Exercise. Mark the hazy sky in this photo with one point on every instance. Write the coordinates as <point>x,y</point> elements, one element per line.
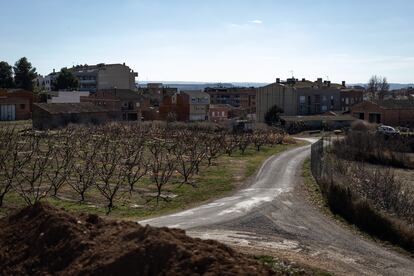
<point>216,40</point>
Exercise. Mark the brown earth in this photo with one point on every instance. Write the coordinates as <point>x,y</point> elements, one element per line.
<point>44,240</point>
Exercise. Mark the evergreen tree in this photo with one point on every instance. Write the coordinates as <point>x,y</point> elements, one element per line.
<point>65,81</point>
<point>24,74</point>
<point>273,115</point>
<point>6,75</point>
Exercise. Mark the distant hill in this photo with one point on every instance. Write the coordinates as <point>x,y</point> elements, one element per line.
<point>185,85</point>
<point>188,85</point>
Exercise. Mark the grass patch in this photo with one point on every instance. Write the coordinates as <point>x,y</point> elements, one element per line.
<point>313,190</point>
<point>218,180</point>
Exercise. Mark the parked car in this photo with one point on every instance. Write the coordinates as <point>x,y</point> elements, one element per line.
<point>387,130</point>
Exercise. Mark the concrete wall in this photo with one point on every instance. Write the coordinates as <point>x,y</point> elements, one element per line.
<point>68,97</point>
<point>275,94</point>
<point>116,76</point>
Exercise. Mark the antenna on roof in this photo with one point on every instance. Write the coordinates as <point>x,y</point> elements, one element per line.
<point>291,71</point>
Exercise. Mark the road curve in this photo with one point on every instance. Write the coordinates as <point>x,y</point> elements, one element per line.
<point>272,215</point>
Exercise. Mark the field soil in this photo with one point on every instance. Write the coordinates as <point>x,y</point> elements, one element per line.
<point>44,240</point>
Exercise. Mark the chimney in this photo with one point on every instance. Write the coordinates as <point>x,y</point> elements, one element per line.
<point>328,83</point>
<point>343,84</point>
<point>54,70</point>
<point>277,80</point>
<point>303,79</point>
<point>319,80</point>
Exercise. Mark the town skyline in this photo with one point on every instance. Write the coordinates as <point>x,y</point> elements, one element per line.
<point>236,41</point>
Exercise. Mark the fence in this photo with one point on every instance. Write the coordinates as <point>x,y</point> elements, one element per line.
<point>361,195</point>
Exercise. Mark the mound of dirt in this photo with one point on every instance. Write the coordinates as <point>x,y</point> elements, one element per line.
<point>46,240</point>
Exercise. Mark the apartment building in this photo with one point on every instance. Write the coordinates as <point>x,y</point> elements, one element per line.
<point>243,97</point>
<point>350,97</point>
<point>304,97</point>
<point>279,94</point>
<point>189,105</point>
<point>102,76</point>
<point>156,92</point>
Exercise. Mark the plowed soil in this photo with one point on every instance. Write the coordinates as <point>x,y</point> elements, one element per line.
<point>43,240</point>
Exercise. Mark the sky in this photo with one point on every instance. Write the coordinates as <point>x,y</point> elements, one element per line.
<point>216,40</point>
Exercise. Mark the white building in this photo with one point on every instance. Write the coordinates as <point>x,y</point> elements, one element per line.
<point>67,96</point>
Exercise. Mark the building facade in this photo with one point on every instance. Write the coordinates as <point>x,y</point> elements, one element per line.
<point>190,105</point>
<point>282,95</point>
<point>102,76</point>
<point>15,104</point>
<point>387,112</point>
<point>66,96</point>
<point>130,103</point>
<point>305,98</point>
<point>219,112</point>
<point>242,97</point>
<point>350,97</point>
<point>59,115</point>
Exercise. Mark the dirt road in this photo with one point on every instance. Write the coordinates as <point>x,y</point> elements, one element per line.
<point>272,216</point>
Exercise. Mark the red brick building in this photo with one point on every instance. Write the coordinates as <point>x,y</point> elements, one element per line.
<point>388,112</point>
<point>219,112</point>
<point>174,107</point>
<point>130,103</point>
<point>59,115</point>
<point>15,104</point>
<point>185,106</point>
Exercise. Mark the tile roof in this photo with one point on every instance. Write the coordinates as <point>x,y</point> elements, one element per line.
<point>395,104</point>
<point>70,108</point>
<point>317,118</point>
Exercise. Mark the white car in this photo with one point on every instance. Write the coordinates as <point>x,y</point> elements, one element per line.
<point>387,130</point>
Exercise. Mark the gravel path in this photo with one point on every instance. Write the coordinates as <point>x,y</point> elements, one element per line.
<point>272,216</point>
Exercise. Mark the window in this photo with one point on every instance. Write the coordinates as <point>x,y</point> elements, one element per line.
<point>302,99</point>
<point>324,108</point>
<point>22,106</point>
<point>374,118</point>
<point>347,100</point>
<point>222,113</point>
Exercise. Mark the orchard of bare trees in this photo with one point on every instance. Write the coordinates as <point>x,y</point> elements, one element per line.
<point>112,160</point>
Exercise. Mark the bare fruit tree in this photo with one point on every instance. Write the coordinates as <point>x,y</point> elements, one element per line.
<point>189,152</point>
<point>108,169</point>
<point>13,159</point>
<point>34,185</point>
<point>134,163</point>
<point>62,162</point>
<point>162,165</point>
<point>83,175</point>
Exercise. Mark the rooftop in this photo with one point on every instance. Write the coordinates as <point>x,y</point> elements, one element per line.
<point>395,104</point>
<point>70,108</point>
<point>317,118</point>
<point>195,93</point>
